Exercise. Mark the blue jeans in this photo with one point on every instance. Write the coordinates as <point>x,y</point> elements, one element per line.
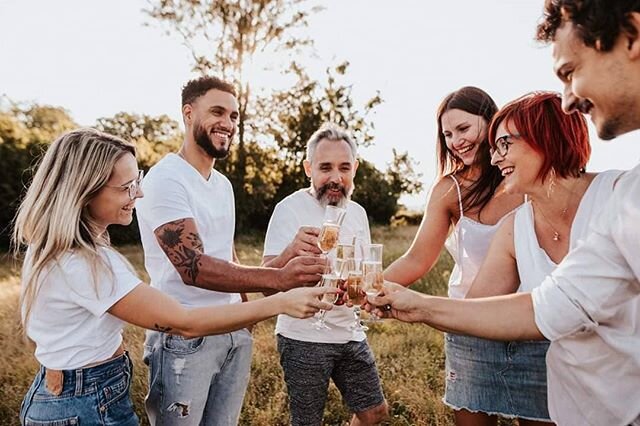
<point>501,378</point>
<point>198,381</point>
<point>90,396</point>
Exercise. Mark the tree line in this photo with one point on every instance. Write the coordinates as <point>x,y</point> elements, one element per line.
<point>265,163</point>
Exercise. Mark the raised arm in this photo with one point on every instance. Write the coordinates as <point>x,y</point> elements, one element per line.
<point>499,271</point>
<point>149,308</point>
<point>181,243</point>
<point>428,242</point>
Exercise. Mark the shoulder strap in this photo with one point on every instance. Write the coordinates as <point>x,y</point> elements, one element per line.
<point>459,195</point>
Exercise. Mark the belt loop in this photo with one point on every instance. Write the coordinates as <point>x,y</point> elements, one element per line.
<point>79,382</point>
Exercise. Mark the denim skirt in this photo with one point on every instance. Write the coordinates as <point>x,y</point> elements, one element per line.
<point>508,379</point>
<point>96,395</point>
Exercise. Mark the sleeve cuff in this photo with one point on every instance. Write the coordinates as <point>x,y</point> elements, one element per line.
<point>556,314</point>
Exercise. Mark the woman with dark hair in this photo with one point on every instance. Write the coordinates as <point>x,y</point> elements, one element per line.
<point>465,207</point>
<point>541,152</point>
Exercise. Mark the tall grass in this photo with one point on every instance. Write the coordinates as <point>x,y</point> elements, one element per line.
<point>410,357</point>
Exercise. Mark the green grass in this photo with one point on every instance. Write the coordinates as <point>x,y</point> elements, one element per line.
<point>410,357</point>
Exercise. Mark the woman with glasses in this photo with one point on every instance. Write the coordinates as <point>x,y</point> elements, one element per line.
<point>541,152</point>
<point>466,206</point>
<point>78,292</point>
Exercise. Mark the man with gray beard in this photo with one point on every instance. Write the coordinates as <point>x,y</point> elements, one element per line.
<point>187,225</point>
<point>310,357</point>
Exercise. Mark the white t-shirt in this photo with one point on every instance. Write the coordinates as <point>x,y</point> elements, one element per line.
<point>173,190</point>
<point>69,322</point>
<point>302,209</point>
<point>590,310</point>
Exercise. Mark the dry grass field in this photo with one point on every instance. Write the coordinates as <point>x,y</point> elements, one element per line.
<point>410,357</point>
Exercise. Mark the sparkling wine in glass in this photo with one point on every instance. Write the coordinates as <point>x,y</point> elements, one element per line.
<point>330,232</point>
<point>328,238</point>
<point>328,280</point>
<point>372,272</point>
<point>357,297</point>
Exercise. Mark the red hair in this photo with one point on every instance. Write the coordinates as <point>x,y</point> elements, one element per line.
<point>562,139</point>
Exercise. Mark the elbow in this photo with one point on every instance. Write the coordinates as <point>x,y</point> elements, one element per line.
<point>183,325</point>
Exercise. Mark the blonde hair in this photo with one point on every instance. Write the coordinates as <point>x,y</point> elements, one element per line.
<point>53,219</point>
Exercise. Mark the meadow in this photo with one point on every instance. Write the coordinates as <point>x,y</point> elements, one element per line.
<point>410,357</point>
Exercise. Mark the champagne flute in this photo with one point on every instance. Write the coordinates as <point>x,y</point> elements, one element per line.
<point>329,233</point>
<point>346,251</point>
<point>357,297</point>
<point>328,280</point>
<point>372,272</point>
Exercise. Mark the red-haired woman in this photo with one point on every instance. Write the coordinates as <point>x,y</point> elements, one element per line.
<point>464,210</point>
<point>541,152</point>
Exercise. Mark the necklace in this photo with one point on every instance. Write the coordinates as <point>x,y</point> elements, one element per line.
<point>556,234</point>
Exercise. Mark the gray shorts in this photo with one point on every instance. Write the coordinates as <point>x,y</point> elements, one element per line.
<point>308,366</point>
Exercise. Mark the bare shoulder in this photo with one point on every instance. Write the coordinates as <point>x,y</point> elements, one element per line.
<point>444,194</point>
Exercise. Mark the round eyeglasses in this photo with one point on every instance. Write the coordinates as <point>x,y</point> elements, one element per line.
<point>131,187</point>
<point>502,144</point>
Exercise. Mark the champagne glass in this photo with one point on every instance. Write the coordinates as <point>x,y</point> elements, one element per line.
<point>346,251</point>
<point>372,272</point>
<point>357,297</point>
<point>328,280</point>
<point>329,233</point>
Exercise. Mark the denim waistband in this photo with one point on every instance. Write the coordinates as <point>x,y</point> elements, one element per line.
<point>85,379</point>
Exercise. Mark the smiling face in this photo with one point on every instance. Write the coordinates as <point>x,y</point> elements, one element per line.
<point>463,133</point>
<point>332,169</point>
<point>599,83</point>
<point>521,165</point>
<point>212,120</point>
<point>112,203</point>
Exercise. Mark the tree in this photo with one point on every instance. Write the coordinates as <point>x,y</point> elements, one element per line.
<point>295,114</point>
<point>223,37</point>
<point>154,137</point>
<point>25,133</point>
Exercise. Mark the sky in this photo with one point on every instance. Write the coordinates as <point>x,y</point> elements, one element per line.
<point>96,58</point>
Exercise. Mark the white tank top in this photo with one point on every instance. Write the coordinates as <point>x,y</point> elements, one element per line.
<point>533,262</point>
<point>468,245</point>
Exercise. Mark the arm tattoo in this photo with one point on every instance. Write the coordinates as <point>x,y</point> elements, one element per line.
<point>162,328</point>
<point>183,248</point>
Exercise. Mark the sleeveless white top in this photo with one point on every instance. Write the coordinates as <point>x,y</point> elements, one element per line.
<point>468,245</point>
<point>533,262</point>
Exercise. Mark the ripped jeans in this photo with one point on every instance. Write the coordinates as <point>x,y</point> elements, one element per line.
<point>199,381</point>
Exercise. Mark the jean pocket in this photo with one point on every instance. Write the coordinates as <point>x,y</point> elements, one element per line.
<point>180,345</point>
<point>71,421</point>
<point>115,388</point>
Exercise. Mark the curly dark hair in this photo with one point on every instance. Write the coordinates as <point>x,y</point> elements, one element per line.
<point>199,86</point>
<point>594,20</point>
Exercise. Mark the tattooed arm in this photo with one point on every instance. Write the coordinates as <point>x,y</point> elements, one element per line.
<point>181,243</point>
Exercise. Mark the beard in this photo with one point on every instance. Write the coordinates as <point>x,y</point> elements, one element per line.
<point>203,140</point>
<point>323,197</point>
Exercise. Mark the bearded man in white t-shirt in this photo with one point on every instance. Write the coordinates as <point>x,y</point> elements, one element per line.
<point>187,224</point>
<point>310,357</point>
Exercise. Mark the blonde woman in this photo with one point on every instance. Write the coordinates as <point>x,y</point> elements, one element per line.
<point>77,292</point>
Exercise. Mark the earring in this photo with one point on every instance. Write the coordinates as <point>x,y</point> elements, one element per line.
<point>552,182</point>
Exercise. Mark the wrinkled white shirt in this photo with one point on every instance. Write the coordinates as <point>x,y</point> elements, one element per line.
<point>590,310</point>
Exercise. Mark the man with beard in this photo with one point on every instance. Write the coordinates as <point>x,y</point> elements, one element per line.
<point>589,307</point>
<point>187,223</point>
<point>310,357</point>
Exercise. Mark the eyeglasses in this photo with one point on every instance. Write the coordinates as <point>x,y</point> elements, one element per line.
<point>502,144</point>
<point>131,187</point>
